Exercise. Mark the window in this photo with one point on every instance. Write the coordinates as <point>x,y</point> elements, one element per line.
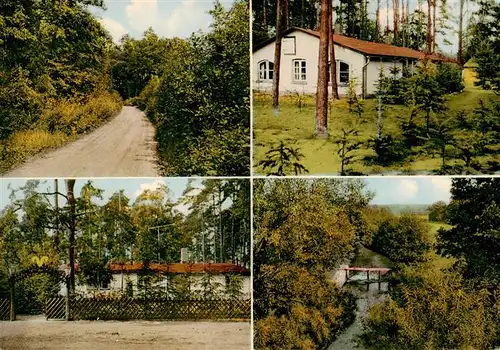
<point>299,70</point>
<point>266,70</point>
<point>343,73</point>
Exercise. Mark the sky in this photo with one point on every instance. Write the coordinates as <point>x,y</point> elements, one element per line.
<point>409,190</point>
<point>168,18</point>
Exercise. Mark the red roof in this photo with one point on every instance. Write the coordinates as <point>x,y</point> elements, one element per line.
<point>180,268</point>
<point>373,49</point>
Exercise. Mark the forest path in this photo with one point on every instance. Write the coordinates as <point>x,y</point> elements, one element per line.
<point>124,146</point>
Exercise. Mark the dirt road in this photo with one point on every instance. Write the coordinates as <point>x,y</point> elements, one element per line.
<point>123,147</point>
<point>136,335</point>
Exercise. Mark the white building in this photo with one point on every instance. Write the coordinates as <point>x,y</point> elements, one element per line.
<point>355,58</point>
<point>128,274</point>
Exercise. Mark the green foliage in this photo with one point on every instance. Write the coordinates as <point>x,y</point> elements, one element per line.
<point>355,104</point>
<point>425,91</point>
<point>449,76</point>
<point>210,288</point>
<point>202,106</point>
<point>438,212</point>
<point>137,62</point>
<point>432,310</point>
<point>348,144</point>
<point>405,238</point>
<point>55,64</point>
<point>116,230</point>
<point>389,149</point>
<point>438,138</point>
<point>303,228</point>
<point>234,287</point>
<point>474,238</point>
<point>285,158</point>
<point>484,44</point>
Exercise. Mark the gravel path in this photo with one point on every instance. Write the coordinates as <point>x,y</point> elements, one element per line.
<point>136,335</point>
<point>124,146</point>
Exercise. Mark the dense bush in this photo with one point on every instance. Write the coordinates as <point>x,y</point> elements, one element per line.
<point>200,105</point>
<point>303,230</point>
<point>309,310</point>
<point>433,310</point>
<point>390,150</point>
<point>74,118</point>
<point>20,104</point>
<point>54,75</point>
<point>449,77</point>
<point>438,212</point>
<point>404,238</point>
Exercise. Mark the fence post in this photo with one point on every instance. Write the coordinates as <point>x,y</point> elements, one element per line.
<point>12,308</point>
<point>67,299</point>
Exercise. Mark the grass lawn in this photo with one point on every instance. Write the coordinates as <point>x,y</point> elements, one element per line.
<point>295,126</point>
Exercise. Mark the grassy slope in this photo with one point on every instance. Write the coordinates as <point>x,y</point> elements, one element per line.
<point>296,125</point>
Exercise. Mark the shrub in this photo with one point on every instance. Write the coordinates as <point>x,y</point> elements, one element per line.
<point>20,105</point>
<point>432,310</point>
<point>146,101</point>
<point>59,122</point>
<point>390,149</point>
<point>403,239</point>
<point>437,212</point>
<point>449,77</point>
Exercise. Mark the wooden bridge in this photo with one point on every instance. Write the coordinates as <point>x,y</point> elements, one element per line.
<point>376,270</point>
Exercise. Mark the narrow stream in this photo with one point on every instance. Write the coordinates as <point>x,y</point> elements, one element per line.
<point>367,294</point>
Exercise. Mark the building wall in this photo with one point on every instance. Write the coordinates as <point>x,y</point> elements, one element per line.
<point>306,47</point>
<point>373,71</point>
<point>116,284</point>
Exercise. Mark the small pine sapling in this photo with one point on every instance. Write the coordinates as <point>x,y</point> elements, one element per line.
<point>282,159</point>
<point>347,147</point>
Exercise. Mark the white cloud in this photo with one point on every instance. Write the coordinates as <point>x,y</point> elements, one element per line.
<point>142,14</point>
<point>114,28</point>
<point>406,189</point>
<point>442,186</point>
<point>185,17</point>
<point>159,183</point>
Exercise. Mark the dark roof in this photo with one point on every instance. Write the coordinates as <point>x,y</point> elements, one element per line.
<point>367,47</point>
<point>179,268</point>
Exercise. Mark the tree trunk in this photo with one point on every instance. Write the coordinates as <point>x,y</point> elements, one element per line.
<point>378,24</point>
<point>461,33</point>
<point>322,87</point>
<point>434,26</point>
<point>277,54</point>
<point>70,187</point>
<point>387,17</point>
<point>333,63</point>
<point>429,26</point>
<point>264,14</point>
<point>395,7</point>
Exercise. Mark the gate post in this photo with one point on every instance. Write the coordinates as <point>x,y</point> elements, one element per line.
<point>67,299</point>
<point>12,308</point>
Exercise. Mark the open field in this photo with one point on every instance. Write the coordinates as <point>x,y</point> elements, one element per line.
<point>295,126</point>
<point>40,334</point>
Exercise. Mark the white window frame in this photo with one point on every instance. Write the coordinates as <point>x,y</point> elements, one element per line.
<point>339,71</point>
<point>299,76</point>
<point>264,74</point>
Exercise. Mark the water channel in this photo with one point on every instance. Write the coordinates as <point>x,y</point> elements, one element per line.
<point>367,294</point>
